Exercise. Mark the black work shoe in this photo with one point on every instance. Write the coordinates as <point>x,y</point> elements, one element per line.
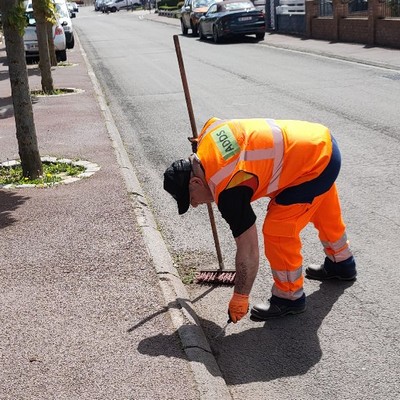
<point>278,307</point>
<point>344,270</point>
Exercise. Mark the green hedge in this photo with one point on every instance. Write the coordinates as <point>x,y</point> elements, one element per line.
<point>168,8</point>
<point>168,3</point>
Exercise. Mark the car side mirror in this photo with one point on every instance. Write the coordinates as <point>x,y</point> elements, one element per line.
<point>65,23</point>
<point>72,15</point>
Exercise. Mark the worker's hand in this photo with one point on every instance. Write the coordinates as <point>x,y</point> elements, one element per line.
<point>238,306</point>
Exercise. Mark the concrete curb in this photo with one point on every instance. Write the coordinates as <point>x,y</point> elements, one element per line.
<point>207,374</point>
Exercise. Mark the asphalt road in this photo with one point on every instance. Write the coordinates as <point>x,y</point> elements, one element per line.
<point>346,346</point>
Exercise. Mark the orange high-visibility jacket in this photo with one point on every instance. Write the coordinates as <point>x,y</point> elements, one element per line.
<point>280,153</point>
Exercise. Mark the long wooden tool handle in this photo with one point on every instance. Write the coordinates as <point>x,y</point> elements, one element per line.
<point>185,85</point>
<point>215,235</point>
<point>194,132</point>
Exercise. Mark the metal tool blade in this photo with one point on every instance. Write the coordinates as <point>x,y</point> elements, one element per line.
<point>223,329</point>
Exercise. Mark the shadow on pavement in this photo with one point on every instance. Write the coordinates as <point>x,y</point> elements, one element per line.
<point>4,75</point>
<point>6,107</point>
<point>9,201</point>
<point>278,348</point>
<point>3,59</point>
<point>281,347</point>
<point>179,303</point>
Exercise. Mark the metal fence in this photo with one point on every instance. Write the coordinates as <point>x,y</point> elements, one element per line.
<point>358,8</point>
<point>391,8</point>
<point>325,8</point>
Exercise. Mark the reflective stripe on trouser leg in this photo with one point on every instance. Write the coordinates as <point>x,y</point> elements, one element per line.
<point>332,230</point>
<point>282,227</point>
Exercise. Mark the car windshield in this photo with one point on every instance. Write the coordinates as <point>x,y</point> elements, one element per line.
<point>202,3</point>
<point>30,18</point>
<point>62,10</point>
<point>243,5</point>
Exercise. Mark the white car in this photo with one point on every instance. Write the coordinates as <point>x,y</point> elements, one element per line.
<point>65,15</point>
<point>72,6</point>
<point>116,5</point>
<point>99,5</point>
<point>31,43</point>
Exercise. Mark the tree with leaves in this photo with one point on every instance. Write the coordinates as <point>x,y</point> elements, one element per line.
<point>14,22</point>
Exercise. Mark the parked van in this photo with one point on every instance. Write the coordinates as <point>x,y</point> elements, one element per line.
<point>116,5</point>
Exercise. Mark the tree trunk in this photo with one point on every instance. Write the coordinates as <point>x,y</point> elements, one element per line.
<point>23,113</point>
<point>52,50</point>
<point>44,55</point>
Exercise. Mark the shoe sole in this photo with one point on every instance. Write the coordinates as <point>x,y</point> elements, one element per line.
<point>288,312</point>
<point>340,278</point>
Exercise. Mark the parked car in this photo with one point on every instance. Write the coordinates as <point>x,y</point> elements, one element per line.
<point>65,16</point>
<point>72,7</point>
<point>99,5</point>
<point>117,5</point>
<point>191,12</point>
<point>31,43</point>
<point>75,6</point>
<point>232,18</point>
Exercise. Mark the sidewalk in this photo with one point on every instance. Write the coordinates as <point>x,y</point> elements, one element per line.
<point>82,287</point>
<point>86,278</point>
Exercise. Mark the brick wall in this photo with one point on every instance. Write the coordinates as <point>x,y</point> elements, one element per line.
<point>322,28</point>
<point>353,30</point>
<point>387,33</point>
<point>371,30</point>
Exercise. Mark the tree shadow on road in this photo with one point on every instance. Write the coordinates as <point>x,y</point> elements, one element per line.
<point>32,69</point>
<point>9,202</point>
<point>278,348</point>
<point>6,107</point>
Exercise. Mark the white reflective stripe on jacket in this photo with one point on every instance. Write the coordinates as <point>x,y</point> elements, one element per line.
<point>275,153</point>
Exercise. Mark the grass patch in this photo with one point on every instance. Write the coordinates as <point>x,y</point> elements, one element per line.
<point>64,64</point>
<point>54,92</point>
<point>188,275</point>
<point>52,173</point>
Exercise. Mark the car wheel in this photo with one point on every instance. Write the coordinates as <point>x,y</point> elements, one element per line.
<point>113,9</point>
<point>61,55</point>
<point>184,29</point>
<point>260,36</point>
<point>194,29</point>
<point>216,37</point>
<point>71,44</point>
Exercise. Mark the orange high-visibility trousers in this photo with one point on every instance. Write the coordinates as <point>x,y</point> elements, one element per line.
<point>281,230</point>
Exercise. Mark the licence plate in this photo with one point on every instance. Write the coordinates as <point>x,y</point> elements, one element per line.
<point>244,18</point>
<point>32,47</point>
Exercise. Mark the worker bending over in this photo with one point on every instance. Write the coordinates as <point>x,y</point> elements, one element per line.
<point>295,163</point>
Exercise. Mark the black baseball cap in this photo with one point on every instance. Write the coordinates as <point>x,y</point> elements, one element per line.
<point>176,183</point>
